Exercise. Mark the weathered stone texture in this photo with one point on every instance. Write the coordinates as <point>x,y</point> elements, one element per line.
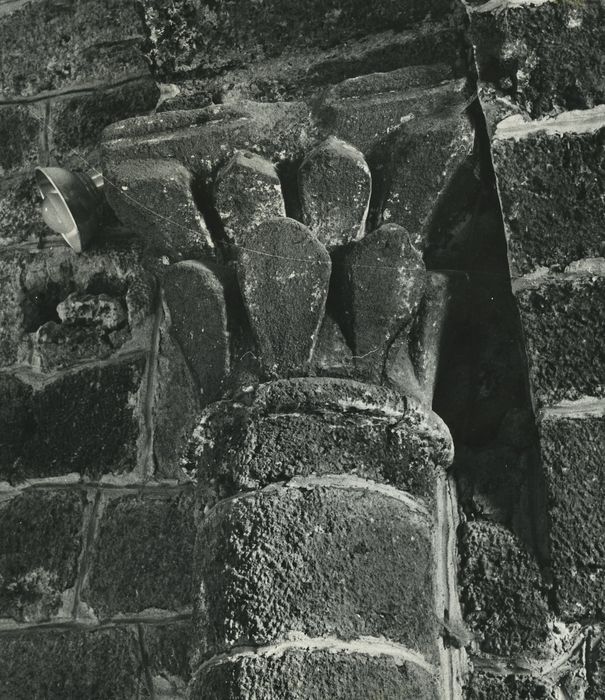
<point>189,36</point>
<point>143,555</point>
<point>552,190</point>
<point>50,46</point>
<point>70,665</point>
<point>195,294</point>
<point>20,219</point>
<point>318,426</point>
<point>318,560</point>
<point>306,675</point>
<point>487,686</point>
<point>335,186</point>
<point>502,592</point>
<point>168,647</point>
<point>246,192</point>
<point>284,274</point>
<point>155,199</point>
<point>564,325</point>
<point>572,457</point>
<point>40,542</point>
<point>547,57</point>
<point>20,133</point>
<point>83,421</point>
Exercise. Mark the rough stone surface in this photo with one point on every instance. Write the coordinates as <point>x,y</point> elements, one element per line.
<point>502,592</point>
<point>76,122</point>
<point>486,686</point>
<point>572,457</point>
<point>545,58</point>
<point>82,421</point>
<point>20,128</point>
<point>193,37</point>
<point>335,186</point>
<point>142,556</point>
<point>384,283</point>
<point>155,199</point>
<point>304,675</point>
<point>168,647</point>
<point>564,324</point>
<point>50,46</point>
<point>195,296</point>
<point>246,192</point>
<point>284,274</point>
<point>19,210</point>
<point>317,560</point>
<point>552,190</point>
<point>318,426</point>
<point>175,409</point>
<point>41,538</point>
<point>70,665</point>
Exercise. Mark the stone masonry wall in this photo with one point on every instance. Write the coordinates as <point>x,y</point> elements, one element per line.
<point>221,475</point>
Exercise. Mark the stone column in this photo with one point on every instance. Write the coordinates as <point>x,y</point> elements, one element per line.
<point>318,553</point>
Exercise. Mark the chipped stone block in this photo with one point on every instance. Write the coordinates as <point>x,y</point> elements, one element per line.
<point>76,122</point>
<point>503,594</point>
<point>85,420</point>
<point>384,283</point>
<point>564,324</point>
<point>195,296</point>
<point>105,39</point>
<point>40,541</point>
<point>71,664</point>
<point>335,186</point>
<point>572,458</point>
<point>168,648</point>
<point>318,426</point>
<point>317,560</point>
<point>284,274</point>
<point>155,199</point>
<point>246,192</point>
<point>20,134</point>
<point>35,282</point>
<point>299,674</point>
<point>552,197</point>
<point>142,555</point>
<point>546,58</point>
<point>487,686</point>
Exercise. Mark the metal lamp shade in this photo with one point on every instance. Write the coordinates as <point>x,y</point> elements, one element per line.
<point>72,203</point>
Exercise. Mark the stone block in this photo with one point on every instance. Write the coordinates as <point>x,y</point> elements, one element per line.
<point>302,674</point>
<point>20,218</point>
<point>552,197</point>
<point>546,58</point>
<point>168,647</point>
<point>51,47</point>
<point>20,134</point>
<point>284,273</point>
<point>488,686</point>
<point>41,535</point>
<point>195,295</point>
<point>71,664</point>
<point>175,409</point>
<point>563,323</point>
<point>335,185</point>
<point>385,279</point>
<point>85,421</point>
<point>317,560</point>
<point>319,426</point>
<point>572,457</point>
<point>155,199</point>
<point>503,594</point>
<point>142,555</point>
<point>191,37</point>
<point>76,122</point>
<point>246,192</point>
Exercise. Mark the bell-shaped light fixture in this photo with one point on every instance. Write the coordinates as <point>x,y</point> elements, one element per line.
<point>71,204</point>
